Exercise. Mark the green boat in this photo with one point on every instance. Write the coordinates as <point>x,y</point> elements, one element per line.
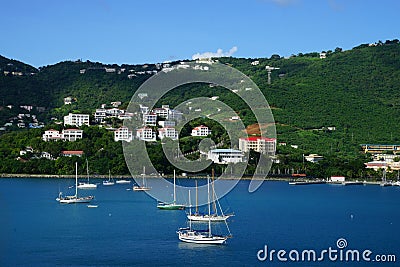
<point>173,205</point>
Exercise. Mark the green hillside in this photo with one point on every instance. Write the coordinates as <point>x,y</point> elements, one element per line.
<point>356,91</point>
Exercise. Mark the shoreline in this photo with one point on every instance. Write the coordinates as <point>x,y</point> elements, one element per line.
<point>248,178</point>
<point>54,176</point>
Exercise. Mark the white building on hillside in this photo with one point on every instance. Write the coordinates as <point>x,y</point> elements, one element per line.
<point>72,134</point>
<point>169,132</point>
<point>76,119</point>
<point>68,100</point>
<point>150,119</point>
<point>65,135</point>
<point>100,114</point>
<point>314,158</point>
<point>338,179</point>
<point>174,114</point>
<point>144,109</point>
<point>167,123</point>
<point>146,134</point>
<point>161,112</point>
<point>225,156</point>
<point>123,134</point>
<point>201,131</point>
<point>260,144</point>
<point>51,134</point>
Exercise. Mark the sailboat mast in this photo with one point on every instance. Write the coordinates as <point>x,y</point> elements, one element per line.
<point>209,208</point>
<point>174,188</point>
<point>213,192</point>
<point>87,170</point>
<point>190,211</point>
<point>143,174</point>
<point>197,206</point>
<point>76,179</point>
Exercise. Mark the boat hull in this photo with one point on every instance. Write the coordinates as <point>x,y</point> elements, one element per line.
<point>73,200</point>
<point>123,182</point>
<point>205,218</point>
<point>87,186</point>
<point>164,206</point>
<point>193,237</point>
<point>141,188</point>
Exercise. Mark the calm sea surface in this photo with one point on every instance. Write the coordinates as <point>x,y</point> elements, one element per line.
<point>128,230</point>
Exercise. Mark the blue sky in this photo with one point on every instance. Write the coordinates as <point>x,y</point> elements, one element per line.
<point>44,32</point>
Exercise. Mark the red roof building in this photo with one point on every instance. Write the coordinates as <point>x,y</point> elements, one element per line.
<point>258,143</point>
<point>71,153</point>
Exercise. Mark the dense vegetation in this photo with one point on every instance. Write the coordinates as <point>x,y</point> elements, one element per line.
<point>355,91</point>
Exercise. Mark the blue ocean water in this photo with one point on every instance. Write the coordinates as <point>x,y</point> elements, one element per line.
<point>128,230</point>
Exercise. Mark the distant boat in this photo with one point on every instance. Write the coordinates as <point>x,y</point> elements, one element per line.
<point>384,182</point>
<point>109,181</point>
<point>190,235</point>
<point>173,205</point>
<point>214,217</point>
<point>307,182</point>
<point>75,198</point>
<point>92,206</point>
<point>123,182</point>
<point>87,185</point>
<point>396,183</point>
<point>143,187</point>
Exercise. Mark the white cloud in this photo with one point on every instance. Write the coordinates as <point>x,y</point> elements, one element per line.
<point>219,53</point>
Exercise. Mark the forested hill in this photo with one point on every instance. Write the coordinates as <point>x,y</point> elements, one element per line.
<point>357,91</point>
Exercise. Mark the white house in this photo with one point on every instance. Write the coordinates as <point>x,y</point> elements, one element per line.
<point>146,134</point>
<point>314,158</point>
<point>100,114</point>
<point>116,104</point>
<point>123,134</point>
<point>150,119</point>
<point>114,112</point>
<point>225,156</point>
<point>76,119</point>
<point>68,100</point>
<point>110,70</point>
<point>167,123</point>
<point>66,135</point>
<point>257,143</point>
<point>51,135</point>
<point>338,178</point>
<point>126,115</point>
<point>161,112</point>
<point>169,132</point>
<point>71,134</point>
<point>46,155</point>
<point>255,63</point>
<point>174,114</point>
<point>201,131</point>
<point>71,153</point>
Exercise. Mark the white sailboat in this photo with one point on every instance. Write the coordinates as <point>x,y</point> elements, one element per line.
<point>87,185</point>
<point>109,181</point>
<point>75,198</point>
<point>190,235</point>
<point>173,205</point>
<point>123,182</point>
<point>214,217</point>
<point>143,187</point>
<point>384,182</point>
